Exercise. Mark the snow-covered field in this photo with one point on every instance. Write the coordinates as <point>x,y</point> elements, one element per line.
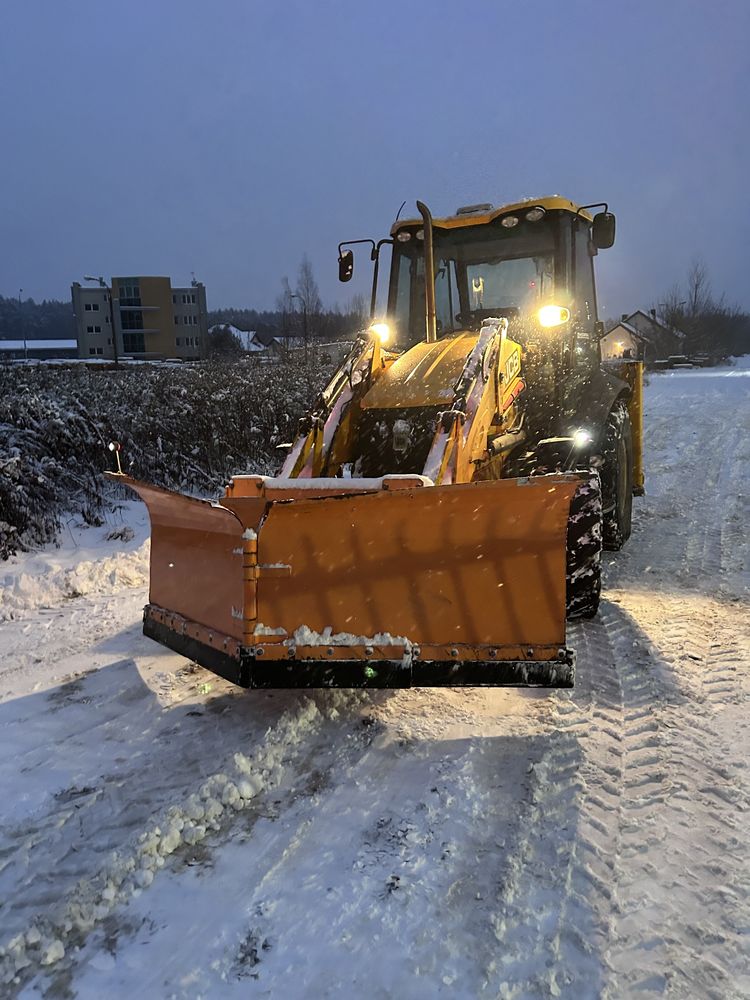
<point>166,835</point>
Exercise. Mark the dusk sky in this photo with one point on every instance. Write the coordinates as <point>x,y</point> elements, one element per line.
<point>230,138</point>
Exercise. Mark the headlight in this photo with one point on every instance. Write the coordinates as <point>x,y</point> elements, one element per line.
<point>381,330</point>
<point>581,438</point>
<point>553,315</point>
<point>535,214</point>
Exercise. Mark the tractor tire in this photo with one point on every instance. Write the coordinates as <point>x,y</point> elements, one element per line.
<point>584,549</point>
<point>617,479</point>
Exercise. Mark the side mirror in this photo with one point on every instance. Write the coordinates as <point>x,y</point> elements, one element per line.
<point>603,230</point>
<point>346,265</point>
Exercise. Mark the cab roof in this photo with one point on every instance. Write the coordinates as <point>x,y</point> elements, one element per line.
<point>484,214</point>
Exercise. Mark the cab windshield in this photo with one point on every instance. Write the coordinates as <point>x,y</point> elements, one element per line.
<point>479,272</point>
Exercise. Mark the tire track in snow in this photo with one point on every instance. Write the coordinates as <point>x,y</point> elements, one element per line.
<point>401,854</point>
<point>64,918</point>
<point>678,920</point>
<point>552,927</point>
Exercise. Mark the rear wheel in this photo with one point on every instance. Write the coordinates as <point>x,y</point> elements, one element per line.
<point>617,478</point>
<point>584,549</point>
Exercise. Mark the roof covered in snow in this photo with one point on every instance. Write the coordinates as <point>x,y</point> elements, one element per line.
<point>248,338</point>
<point>622,325</point>
<point>38,345</point>
<point>640,316</point>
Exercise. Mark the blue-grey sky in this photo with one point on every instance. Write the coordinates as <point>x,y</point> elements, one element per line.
<point>230,137</point>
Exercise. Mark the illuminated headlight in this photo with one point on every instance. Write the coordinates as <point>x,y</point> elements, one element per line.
<point>509,221</point>
<point>535,214</point>
<point>403,237</point>
<point>553,315</point>
<point>581,438</point>
<point>381,330</point>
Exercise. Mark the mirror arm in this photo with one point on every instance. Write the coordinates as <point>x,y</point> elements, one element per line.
<point>351,243</point>
<point>375,255</point>
<point>596,204</point>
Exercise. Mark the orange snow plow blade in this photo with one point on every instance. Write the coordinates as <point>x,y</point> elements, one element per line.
<point>364,583</point>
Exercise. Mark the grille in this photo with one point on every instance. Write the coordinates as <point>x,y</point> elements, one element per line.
<point>378,457</point>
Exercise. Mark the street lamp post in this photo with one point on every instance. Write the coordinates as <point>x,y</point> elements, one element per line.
<point>304,324</point>
<point>23,326</point>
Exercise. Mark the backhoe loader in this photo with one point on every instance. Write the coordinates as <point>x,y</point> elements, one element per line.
<point>443,507</point>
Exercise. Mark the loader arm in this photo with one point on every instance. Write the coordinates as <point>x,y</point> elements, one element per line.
<point>461,435</point>
<point>323,441</point>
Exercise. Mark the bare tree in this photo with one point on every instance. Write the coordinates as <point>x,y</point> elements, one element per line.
<point>285,306</point>
<point>710,325</point>
<point>699,288</point>
<point>307,289</point>
<point>672,308</point>
<point>359,310</point>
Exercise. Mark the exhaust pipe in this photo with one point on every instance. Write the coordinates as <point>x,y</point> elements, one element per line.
<point>429,275</point>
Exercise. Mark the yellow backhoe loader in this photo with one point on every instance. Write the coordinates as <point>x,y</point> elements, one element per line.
<point>444,504</point>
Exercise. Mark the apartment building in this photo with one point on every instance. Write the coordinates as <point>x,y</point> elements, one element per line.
<point>140,317</point>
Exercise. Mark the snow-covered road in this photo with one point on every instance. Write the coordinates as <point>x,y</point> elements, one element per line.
<point>163,834</point>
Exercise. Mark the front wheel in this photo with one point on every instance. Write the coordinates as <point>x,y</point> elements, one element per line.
<point>584,549</point>
<point>617,478</point>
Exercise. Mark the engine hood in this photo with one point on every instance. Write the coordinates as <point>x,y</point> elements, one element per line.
<point>425,375</point>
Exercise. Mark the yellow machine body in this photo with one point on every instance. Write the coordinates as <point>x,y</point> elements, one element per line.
<point>446,568</point>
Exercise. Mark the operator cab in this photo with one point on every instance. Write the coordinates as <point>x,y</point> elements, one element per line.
<point>514,262</point>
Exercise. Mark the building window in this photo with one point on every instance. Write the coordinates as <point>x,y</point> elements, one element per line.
<point>131,320</point>
<point>87,307</point>
<point>192,299</point>
<point>130,292</point>
<point>109,341</point>
<point>92,350</point>
<point>89,329</point>
<point>97,329</point>
<point>176,320</point>
<point>100,350</point>
<point>174,300</point>
<point>95,306</point>
<point>177,341</point>
<point>134,343</point>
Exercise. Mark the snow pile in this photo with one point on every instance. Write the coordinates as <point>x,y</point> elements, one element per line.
<point>305,636</point>
<point>129,872</point>
<point>23,591</point>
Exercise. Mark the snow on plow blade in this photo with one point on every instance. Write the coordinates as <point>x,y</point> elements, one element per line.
<point>364,583</point>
